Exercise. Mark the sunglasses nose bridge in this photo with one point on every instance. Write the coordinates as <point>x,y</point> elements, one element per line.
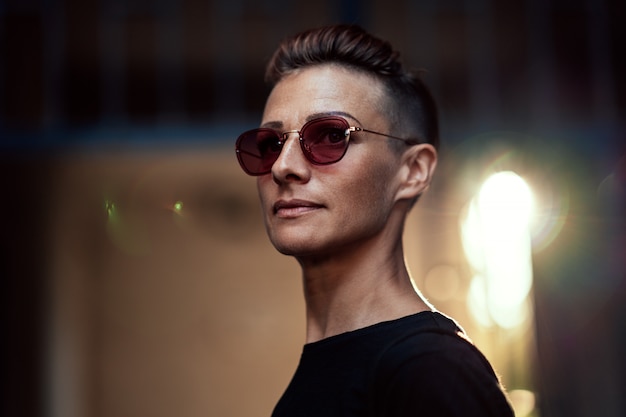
<point>285,135</point>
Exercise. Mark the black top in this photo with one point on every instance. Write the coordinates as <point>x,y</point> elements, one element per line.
<point>419,365</point>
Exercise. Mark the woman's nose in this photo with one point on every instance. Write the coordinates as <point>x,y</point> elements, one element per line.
<point>291,164</point>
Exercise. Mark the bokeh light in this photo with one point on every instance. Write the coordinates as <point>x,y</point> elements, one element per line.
<point>126,230</point>
<point>523,402</point>
<point>442,282</point>
<point>497,243</point>
<point>111,211</point>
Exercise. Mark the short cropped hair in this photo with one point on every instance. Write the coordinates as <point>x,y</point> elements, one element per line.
<point>411,108</point>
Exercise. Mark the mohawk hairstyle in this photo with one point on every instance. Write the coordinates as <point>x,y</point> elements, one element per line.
<point>411,108</point>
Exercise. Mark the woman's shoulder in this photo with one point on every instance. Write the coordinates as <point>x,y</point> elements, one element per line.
<point>429,336</point>
<point>432,366</point>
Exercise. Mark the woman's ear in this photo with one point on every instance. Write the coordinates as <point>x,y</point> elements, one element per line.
<point>418,166</point>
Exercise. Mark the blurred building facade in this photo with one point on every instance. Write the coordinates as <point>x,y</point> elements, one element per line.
<point>112,112</point>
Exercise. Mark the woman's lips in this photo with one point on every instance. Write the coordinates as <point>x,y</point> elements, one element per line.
<point>294,208</point>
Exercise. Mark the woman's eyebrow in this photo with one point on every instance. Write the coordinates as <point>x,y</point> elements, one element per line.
<point>277,124</point>
<point>273,125</point>
<point>332,113</point>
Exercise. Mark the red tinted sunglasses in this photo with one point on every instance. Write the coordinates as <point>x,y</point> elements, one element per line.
<point>323,141</point>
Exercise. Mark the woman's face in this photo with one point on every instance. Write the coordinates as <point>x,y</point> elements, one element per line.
<point>319,210</point>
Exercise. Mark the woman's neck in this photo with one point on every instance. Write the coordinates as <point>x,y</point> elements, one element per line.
<point>350,291</point>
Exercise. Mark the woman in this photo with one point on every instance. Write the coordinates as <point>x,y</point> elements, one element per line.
<point>348,143</point>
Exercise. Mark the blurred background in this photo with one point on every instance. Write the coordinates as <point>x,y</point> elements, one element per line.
<point>136,278</point>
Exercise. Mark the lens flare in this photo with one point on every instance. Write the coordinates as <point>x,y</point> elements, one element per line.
<point>125,230</point>
<point>111,211</point>
<point>549,220</point>
<point>497,243</point>
<point>505,197</point>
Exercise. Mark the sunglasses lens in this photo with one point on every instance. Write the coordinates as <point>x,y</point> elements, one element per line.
<point>325,140</point>
<point>257,150</point>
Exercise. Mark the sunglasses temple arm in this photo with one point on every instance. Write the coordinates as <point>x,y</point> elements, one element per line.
<point>408,141</point>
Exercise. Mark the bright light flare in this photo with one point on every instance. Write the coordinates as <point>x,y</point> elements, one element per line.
<point>497,243</point>
<point>506,198</point>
